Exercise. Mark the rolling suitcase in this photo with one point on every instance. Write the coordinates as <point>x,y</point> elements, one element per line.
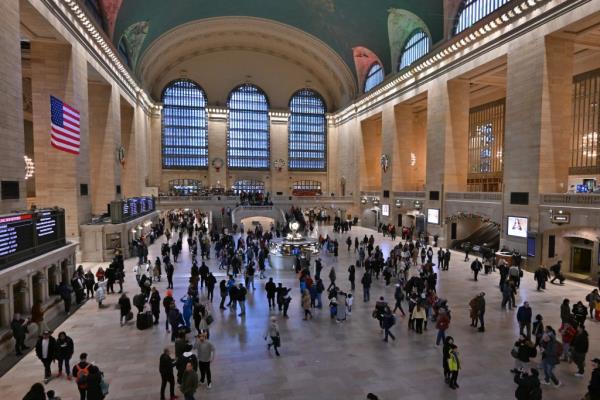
<point>144,320</point>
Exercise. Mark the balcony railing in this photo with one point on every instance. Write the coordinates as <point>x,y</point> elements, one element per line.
<point>582,199</point>
<point>410,195</point>
<point>474,196</point>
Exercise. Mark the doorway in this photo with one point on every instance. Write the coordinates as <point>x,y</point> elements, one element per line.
<point>400,220</point>
<point>581,260</point>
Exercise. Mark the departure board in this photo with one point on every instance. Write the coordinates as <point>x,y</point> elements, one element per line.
<point>46,227</point>
<point>16,234</point>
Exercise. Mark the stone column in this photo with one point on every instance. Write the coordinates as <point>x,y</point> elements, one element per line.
<point>60,70</point>
<point>128,139</point>
<point>105,168</point>
<point>538,132</point>
<point>279,181</point>
<point>217,148</point>
<point>155,155</point>
<point>46,292</point>
<point>11,112</point>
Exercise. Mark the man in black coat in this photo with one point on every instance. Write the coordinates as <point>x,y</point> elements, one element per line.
<point>19,330</point>
<point>165,368</point>
<point>203,270</point>
<point>211,281</point>
<point>476,267</point>
<point>271,289</point>
<point>169,269</point>
<point>45,349</point>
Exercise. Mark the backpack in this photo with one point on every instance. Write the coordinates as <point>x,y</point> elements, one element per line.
<point>82,376</point>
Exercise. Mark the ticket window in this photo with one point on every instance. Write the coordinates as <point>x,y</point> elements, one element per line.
<point>64,272</point>
<point>38,287</point>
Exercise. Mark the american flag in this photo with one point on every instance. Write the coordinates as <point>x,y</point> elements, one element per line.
<point>64,120</point>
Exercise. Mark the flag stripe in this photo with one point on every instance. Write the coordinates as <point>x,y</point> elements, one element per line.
<point>65,132</point>
<point>65,139</point>
<point>68,149</point>
<point>71,120</point>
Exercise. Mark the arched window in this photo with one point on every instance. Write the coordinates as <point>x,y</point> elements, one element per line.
<point>248,128</point>
<point>248,186</point>
<point>472,11</point>
<point>307,139</point>
<point>184,126</point>
<point>374,77</point>
<point>415,47</point>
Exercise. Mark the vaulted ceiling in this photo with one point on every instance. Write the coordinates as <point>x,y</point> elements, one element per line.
<point>341,24</point>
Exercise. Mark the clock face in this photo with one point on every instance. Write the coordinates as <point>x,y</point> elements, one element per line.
<point>294,226</point>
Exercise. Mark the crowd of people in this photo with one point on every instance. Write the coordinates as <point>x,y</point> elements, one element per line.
<point>408,270</point>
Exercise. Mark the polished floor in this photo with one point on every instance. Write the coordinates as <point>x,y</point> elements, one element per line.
<point>320,358</point>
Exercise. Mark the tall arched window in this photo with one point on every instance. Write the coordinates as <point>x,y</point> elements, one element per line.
<point>472,11</point>
<point>184,126</point>
<point>307,140</point>
<point>374,77</point>
<point>415,47</point>
<point>248,143</point>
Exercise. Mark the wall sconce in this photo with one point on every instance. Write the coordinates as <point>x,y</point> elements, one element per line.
<point>363,200</point>
<point>376,201</point>
<point>418,205</point>
<point>398,204</point>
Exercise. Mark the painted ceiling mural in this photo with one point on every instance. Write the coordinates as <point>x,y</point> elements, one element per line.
<point>341,24</point>
<point>401,24</point>
<point>363,60</point>
<point>133,39</point>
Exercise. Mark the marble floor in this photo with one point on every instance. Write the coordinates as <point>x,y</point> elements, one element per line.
<point>320,358</point>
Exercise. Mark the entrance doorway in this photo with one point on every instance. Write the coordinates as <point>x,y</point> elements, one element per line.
<point>581,260</point>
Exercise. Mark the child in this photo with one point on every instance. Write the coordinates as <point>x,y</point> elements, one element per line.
<point>453,366</point>
<point>333,308</point>
<point>349,301</point>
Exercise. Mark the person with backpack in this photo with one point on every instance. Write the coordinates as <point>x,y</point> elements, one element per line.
<point>551,352</point>
<point>593,298</point>
<point>387,321</point>
<point>522,351</point>
<point>528,382</point>
<point>45,349</point>
<point>64,352</point>
<point>557,274</point>
<point>81,371</point>
<point>442,323</point>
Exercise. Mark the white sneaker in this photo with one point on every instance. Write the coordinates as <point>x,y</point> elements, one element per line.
<point>209,385</point>
<point>545,383</point>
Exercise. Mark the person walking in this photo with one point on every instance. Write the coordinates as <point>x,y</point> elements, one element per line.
<point>189,382</point>
<point>271,290</point>
<point>524,314</point>
<point>398,296</point>
<point>211,281</point>
<point>419,316</point>
<point>165,368</point>
<point>579,348</point>
<point>476,266</point>
<point>523,350</point>
<point>170,270</point>
<point>155,304</point>
<point>538,329</point>
<point>306,304</point>
<point>273,335</point>
<point>528,382</point>
<point>224,292</point>
<point>125,307</point>
<point>241,298</point>
<point>442,323</point>
<point>64,291</point>
<point>387,321</point>
<point>64,352</point>
<point>332,278</point>
<point>167,302</point>
<point>593,299</point>
<point>449,341</point>
<point>37,317</point>
<point>366,282</point>
<point>80,372</point>
<point>45,349</point>
<point>352,276</point>
<point>453,366</point>
<point>19,330</point>
<point>550,358</point>
<point>206,355</point>
<point>481,311</point>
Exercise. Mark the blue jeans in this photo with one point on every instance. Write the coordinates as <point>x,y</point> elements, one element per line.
<point>441,336</point>
<point>366,293</point>
<point>319,302</point>
<point>549,372</point>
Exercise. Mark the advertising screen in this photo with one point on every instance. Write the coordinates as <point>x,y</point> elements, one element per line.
<point>433,216</point>
<point>385,210</point>
<point>517,226</point>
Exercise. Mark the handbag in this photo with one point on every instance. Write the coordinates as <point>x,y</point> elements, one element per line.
<point>104,387</point>
<point>209,319</point>
<point>129,316</point>
<point>276,341</point>
<point>515,352</point>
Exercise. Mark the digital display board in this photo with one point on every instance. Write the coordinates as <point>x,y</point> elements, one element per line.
<point>385,210</point>
<point>133,207</point>
<point>29,234</point>
<point>46,227</point>
<point>16,234</point>
<point>433,216</point>
<point>143,205</point>
<point>517,226</point>
<point>126,210</point>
